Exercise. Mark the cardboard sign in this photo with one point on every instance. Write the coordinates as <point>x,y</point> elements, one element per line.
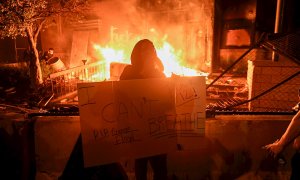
<point>140,118</point>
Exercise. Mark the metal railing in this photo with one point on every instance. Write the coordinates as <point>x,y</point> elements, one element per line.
<point>65,82</point>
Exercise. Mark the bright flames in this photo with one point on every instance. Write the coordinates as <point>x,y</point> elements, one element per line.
<point>172,59</point>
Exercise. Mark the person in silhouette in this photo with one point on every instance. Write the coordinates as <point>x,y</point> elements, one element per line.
<point>145,64</point>
<point>48,54</point>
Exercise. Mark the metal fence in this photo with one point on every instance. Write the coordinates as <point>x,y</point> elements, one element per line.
<point>65,82</point>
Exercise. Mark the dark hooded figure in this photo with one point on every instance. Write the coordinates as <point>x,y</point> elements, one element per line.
<point>145,64</point>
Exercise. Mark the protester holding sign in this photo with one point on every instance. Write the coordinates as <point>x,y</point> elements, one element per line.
<point>145,64</point>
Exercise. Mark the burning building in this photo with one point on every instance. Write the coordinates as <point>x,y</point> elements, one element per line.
<point>191,37</point>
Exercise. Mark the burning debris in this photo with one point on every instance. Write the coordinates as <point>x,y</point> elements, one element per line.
<point>227,92</point>
<point>172,59</point>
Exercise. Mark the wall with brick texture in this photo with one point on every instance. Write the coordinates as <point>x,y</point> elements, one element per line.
<point>264,74</point>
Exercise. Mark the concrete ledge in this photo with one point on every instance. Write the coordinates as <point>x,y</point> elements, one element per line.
<point>55,138</point>
<point>232,148</point>
<point>241,138</point>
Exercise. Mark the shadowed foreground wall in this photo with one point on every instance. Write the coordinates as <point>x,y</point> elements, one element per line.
<point>232,148</point>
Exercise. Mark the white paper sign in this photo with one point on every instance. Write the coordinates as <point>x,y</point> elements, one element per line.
<point>139,118</point>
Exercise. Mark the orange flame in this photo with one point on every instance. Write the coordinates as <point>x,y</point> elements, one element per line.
<point>173,62</point>
<point>110,55</point>
<point>171,58</point>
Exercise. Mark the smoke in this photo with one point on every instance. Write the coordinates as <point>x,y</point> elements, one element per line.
<point>186,25</point>
<point>122,15</point>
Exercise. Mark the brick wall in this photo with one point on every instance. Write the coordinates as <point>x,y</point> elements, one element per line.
<point>264,74</point>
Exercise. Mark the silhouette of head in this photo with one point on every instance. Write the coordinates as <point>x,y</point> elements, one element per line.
<point>143,53</point>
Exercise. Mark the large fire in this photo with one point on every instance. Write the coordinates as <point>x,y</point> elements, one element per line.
<point>171,58</point>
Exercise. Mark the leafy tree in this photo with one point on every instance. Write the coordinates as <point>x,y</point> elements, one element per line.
<point>28,18</point>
